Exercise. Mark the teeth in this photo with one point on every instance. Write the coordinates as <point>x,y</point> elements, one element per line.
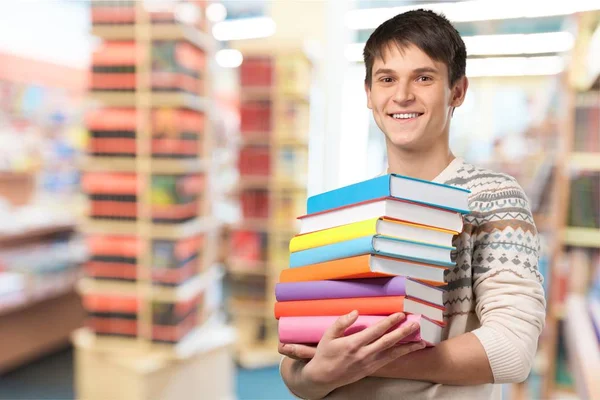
<point>405,116</point>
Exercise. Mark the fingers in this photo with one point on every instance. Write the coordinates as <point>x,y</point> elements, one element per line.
<point>337,329</point>
<point>297,351</point>
<point>393,337</point>
<point>376,331</point>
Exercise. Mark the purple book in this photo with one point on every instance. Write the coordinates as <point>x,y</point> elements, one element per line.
<point>339,289</point>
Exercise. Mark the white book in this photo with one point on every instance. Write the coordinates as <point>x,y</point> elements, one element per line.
<point>386,207</point>
<point>430,311</point>
<point>423,291</point>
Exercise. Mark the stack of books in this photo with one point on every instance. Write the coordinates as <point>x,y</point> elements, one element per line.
<point>380,246</point>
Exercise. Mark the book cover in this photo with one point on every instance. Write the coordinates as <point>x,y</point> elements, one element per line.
<point>399,186</point>
<point>364,305</point>
<point>364,266</point>
<point>388,207</point>
<point>333,289</point>
<point>310,330</point>
<point>378,244</point>
<point>370,227</point>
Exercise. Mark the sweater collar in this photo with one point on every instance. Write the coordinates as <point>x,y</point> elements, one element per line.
<point>450,170</point>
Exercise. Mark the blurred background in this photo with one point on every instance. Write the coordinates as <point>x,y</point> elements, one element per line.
<point>155,154</point>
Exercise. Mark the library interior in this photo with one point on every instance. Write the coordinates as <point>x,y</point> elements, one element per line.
<point>260,176</point>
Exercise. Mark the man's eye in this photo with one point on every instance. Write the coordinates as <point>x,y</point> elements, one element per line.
<point>387,80</point>
<point>423,78</point>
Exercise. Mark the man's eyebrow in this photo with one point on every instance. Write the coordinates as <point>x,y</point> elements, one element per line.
<point>384,71</point>
<point>423,70</point>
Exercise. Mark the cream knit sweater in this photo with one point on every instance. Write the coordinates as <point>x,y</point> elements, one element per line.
<point>495,290</point>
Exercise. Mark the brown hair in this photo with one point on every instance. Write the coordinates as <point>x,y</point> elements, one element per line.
<point>430,32</point>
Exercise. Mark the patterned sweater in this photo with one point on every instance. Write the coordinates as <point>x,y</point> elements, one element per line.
<point>495,290</point>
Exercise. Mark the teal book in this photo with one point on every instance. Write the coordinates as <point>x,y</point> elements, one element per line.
<point>375,244</point>
<point>392,185</point>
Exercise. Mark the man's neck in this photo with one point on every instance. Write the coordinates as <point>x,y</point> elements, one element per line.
<point>419,164</point>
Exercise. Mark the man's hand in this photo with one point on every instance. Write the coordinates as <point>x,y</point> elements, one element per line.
<point>339,360</point>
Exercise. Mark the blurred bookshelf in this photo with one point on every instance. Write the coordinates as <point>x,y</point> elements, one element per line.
<point>570,344</point>
<point>40,249</point>
<point>152,281</point>
<point>273,165</point>
<point>561,177</point>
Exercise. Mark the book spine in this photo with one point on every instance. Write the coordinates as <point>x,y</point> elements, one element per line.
<point>331,252</point>
<point>337,289</point>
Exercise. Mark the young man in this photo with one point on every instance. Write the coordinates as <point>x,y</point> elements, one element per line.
<point>495,309</point>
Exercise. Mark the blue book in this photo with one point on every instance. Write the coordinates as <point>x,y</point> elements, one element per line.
<point>375,244</point>
<point>392,185</point>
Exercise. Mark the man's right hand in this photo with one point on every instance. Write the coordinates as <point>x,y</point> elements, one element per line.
<point>340,360</point>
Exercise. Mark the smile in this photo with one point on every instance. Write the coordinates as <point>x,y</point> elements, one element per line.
<point>406,116</point>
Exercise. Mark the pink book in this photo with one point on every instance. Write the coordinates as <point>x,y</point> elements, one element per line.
<point>309,330</point>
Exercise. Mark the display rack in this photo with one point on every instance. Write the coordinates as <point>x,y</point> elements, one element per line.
<point>150,228</point>
<point>274,98</point>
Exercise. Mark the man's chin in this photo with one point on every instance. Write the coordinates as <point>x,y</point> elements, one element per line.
<point>404,142</point>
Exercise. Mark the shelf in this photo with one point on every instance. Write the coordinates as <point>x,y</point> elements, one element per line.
<point>256,93</point>
<point>203,338</point>
<point>247,268</point>
<point>159,166</point>
<point>36,295</point>
<point>585,161</point>
<point>582,237</point>
<point>291,142</point>
<point>39,329</point>
<point>256,138</point>
<point>156,231</point>
<point>582,347</point>
<point>154,99</point>
<point>254,224</point>
<point>254,182</point>
<point>183,292</point>
<point>157,32</point>
<point>34,233</point>
<point>249,308</point>
<point>270,183</point>
<point>295,96</point>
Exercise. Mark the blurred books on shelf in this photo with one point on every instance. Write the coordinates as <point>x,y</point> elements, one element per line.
<point>272,162</point>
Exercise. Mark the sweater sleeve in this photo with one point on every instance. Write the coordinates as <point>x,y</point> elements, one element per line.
<point>510,301</point>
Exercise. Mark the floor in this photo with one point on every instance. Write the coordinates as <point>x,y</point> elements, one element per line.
<point>52,378</point>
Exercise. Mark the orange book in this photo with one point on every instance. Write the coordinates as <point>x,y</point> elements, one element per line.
<point>110,303</point>
<point>364,266</point>
<point>364,305</point>
<point>114,246</point>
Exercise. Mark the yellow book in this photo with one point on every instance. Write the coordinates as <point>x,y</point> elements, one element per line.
<point>370,227</point>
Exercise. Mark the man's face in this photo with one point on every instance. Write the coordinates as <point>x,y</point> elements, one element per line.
<point>411,97</point>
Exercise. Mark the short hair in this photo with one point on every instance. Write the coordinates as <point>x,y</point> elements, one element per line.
<point>427,30</point>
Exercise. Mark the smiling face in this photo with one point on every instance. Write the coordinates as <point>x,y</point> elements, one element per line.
<point>411,98</point>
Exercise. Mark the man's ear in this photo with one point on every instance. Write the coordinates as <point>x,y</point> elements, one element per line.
<point>459,91</point>
<point>368,92</point>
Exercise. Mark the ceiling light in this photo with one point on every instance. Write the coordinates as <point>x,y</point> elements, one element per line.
<point>244,28</point>
<point>216,12</point>
<point>487,45</point>
<point>474,10</point>
<point>229,58</point>
<point>514,66</point>
<point>534,43</point>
